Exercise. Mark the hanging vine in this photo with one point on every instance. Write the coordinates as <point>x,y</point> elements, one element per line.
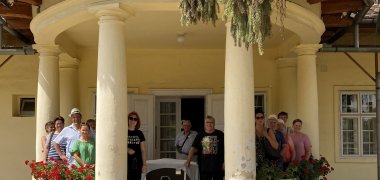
<point>250,19</point>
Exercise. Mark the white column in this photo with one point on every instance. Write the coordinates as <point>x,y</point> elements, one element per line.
<point>239,126</point>
<point>111,110</point>
<point>307,92</point>
<point>47,91</point>
<point>68,78</point>
<point>287,89</point>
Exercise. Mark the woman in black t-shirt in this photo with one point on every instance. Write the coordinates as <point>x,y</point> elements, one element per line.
<point>136,148</point>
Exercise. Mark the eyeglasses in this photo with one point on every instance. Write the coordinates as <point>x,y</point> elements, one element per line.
<point>259,117</point>
<point>133,118</point>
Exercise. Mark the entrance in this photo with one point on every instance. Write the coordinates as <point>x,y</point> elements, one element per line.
<point>170,111</point>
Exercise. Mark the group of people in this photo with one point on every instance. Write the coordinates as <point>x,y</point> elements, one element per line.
<point>278,144</point>
<point>74,143</point>
<point>207,146</point>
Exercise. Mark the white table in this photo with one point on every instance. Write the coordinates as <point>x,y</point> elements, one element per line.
<point>192,171</point>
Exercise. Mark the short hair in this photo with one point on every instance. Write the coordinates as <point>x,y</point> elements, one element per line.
<point>138,118</point>
<point>282,113</point>
<point>90,120</point>
<point>297,120</point>
<point>258,111</point>
<point>59,118</point>
<point>186,120</point>
<point>84,124</point>
<point>210,118</point>
<point>47,124</point>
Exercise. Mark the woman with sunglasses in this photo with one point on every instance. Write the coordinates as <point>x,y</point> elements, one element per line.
<point>263,134</point>
<point>136,147</point>
<point>49,150</point>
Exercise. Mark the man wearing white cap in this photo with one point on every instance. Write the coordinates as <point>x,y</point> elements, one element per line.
<point>69,135</point>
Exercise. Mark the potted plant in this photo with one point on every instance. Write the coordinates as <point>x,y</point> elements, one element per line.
<point>58,170</point>
<point>312,169</point>
<point>269,171</point>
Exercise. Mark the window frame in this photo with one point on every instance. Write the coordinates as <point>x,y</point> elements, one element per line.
<point>22,102</point>
<point>339,115</point>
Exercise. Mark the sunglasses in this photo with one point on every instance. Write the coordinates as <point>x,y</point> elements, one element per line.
<point>133,118</point>
<point>260,117</point>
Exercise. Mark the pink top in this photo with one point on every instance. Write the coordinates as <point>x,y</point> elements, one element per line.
<point>301,141</point>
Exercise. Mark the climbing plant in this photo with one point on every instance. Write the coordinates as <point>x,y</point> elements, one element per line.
<point>250,19</point>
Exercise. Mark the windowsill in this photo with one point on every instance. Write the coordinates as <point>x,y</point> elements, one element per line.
<point>357,159</point>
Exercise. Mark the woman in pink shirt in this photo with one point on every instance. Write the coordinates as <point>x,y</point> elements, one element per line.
<point>301,141</point>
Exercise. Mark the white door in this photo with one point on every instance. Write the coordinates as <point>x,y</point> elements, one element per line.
<point>168,117</point>
<point>144,106</point>
<point>215,108</point>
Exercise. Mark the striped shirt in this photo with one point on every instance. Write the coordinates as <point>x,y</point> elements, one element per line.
<point>52,153</point>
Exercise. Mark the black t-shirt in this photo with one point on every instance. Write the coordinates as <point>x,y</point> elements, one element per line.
<point>210,150</point>
<point>134,139</point>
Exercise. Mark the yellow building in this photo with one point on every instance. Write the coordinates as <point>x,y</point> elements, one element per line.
<point>134,55</point>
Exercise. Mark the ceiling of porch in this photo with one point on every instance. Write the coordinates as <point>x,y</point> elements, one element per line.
<point>159,29</point>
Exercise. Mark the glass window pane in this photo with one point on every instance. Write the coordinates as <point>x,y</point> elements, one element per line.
<point>349,103</point>
<point>350,136</point>
<point>167,132</point>
<point>167,145</point>
<point>368,103</point>
<point>260,102</point>
<point>369,135</point>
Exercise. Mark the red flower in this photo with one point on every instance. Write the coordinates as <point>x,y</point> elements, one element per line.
<point>67,172</point>
<point>26,162</point>
<point>324,178</point>
<point>88,178</point>
<point>73,166</point>
<point>306,171</point>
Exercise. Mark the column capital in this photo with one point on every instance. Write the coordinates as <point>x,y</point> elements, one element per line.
<point>66,61</point>
<point>113,10</point>
<point>47,49</point>
<point>286,62</point>
<point>307,49</point>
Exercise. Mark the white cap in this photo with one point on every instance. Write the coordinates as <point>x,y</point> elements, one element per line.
<point>74,111</point>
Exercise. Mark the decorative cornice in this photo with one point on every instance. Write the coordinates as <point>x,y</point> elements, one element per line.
<point>66,61</point>
<point>286,62</point>
<point>307,49</point>
<point>47,49</point>
<point>113,10</point>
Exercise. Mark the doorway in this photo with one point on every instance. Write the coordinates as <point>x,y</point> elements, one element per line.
<point>169,113</point>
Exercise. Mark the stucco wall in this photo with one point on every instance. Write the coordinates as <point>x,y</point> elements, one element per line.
<point>17,134</point>
<point>336,69</point>
<point>176,69</point>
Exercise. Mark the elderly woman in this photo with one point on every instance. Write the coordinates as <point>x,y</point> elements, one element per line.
<point>49,150</point>
<point>136,147</point>
<point>301,141</point>
<point>263,134</point>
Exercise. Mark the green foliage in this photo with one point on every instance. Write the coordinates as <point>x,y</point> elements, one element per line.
<point>311,169</point>
<point>269,171</point>
<point>193,11</point>
<point>250,19</point>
